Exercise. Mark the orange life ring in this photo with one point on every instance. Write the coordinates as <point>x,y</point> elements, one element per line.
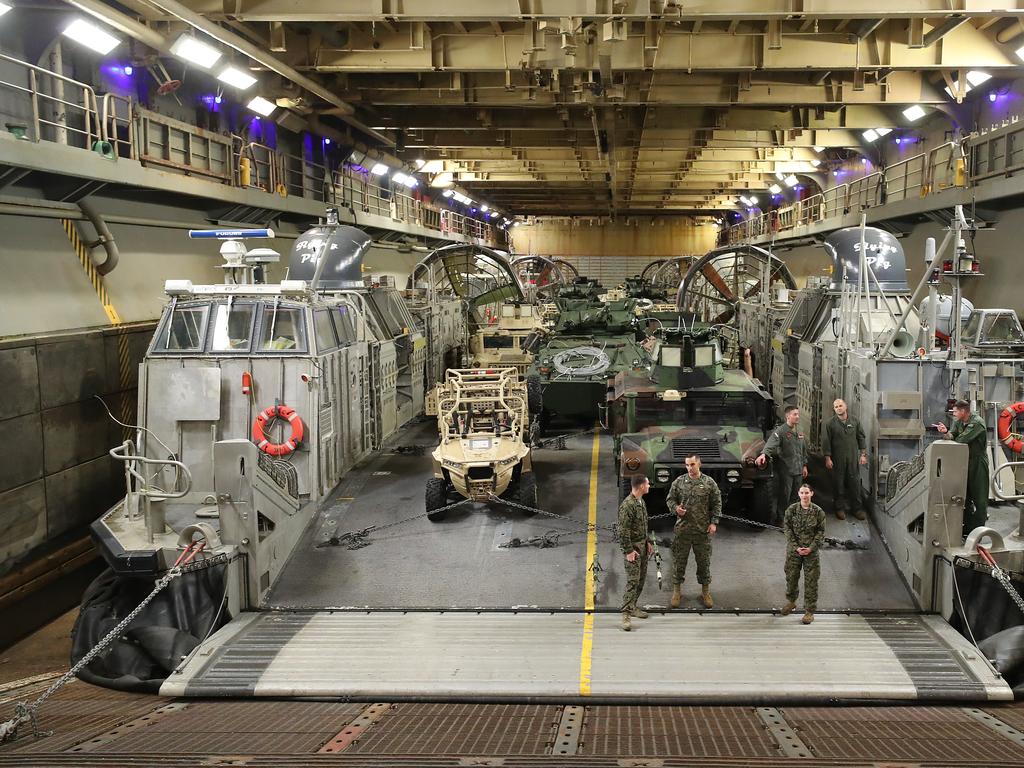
<point>1006,437</point>
<point>265,417</point>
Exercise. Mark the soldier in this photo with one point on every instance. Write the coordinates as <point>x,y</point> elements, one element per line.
<point>787,448</point>
<point>636,546</point>
<point>804,524</point>
<point>842,443</point>
<point>970,429</point>
<point>697,502</point>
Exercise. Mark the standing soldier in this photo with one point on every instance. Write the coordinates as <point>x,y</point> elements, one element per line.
<point>697,502</point>
<point>844,445</point>
<point>786,447</point>
<point>804,525</point>
<point>636,546</point>
<point>970,429</point>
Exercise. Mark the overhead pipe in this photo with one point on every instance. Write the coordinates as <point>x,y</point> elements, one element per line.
<point>104,237</point>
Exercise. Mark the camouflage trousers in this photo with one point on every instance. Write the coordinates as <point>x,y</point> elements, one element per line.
<point>636,573</point>
<point>811,565</point>
<point>682,542</point>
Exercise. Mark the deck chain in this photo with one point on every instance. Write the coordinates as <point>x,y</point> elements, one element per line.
<point>360,538</point>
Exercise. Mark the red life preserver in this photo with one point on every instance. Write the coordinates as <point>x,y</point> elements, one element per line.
<point>1006,418</point>
<point>277,449</point>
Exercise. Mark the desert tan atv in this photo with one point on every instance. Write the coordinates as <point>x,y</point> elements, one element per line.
<point>484,451</point>
<point>510,340</point>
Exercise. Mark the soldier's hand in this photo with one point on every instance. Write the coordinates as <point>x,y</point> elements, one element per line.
<point>650,549</point>
<point>711,529</point>
<point>761,460</point>
<point>941,428</point>
<point>803,551</point>
<point>863,459</point>
<point>631,557</point>
<point>680,510</point>
<point>828,462</point>
<point>803,472</point>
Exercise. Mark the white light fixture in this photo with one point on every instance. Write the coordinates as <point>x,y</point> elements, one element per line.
<point>745,200</point>
<point>484,208</point>
<point>870,135</point>
<point>819,150</point>
<point>237,78</point>
<point>1020,53</point>
<point>261,106</point>
<point>517,224</point>
<point>883,131</point>
<point>195,51</point>
<point>976,77</point>
<point>4,8</point>
<point>915,112</point>
<point>447,193</point>
<point>404,179</point>
<point>815,163</point>
<point>791,180</point>
<point>91,36</point>
<point>379,169</point>
<point>753,200</point>
<point>420,163</point>
<point>494,214</point>
<point>775,189</point>
<point>780,175</point>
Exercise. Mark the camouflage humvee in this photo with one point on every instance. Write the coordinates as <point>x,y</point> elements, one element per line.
<point>483,421</point>
<point>687,404</point>
<point>509,341</point>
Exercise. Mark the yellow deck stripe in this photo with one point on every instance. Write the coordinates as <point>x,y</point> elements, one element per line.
<point>586,651</point>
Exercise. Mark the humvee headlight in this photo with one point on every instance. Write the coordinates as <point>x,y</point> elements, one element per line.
<point>733,475</point>
<point>662,475</point>
<point>452,464</point>
<point>633,464</point>
<point>510,460</point>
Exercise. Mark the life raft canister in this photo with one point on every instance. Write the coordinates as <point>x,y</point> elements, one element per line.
<point>268,415</point>
<point>1006,436</point>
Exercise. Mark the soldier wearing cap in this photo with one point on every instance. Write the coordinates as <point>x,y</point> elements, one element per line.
<point>968,428</point>
<point>787,448</point>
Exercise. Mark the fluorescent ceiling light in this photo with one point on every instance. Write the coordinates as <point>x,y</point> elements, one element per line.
<point>819,150</point>
<point>753,200</point>
<point>379,169</point>
<point>791,180</point>
<point>404,179</point>
<point>420,163</point>
<point>815,163</point>
<point>883,131</point>
<point>780,175</point>
<point>484,207</point>
<point>775,189</point>
<point>745,200</point>
<point>975,77</point>
<point>1020,53</point>
<point>236,77</point>
<point>916,112</point>
<point>91,36</point>
<point>195,51</point>
<point>447,193</point>
<point>870,135</point>
<point>261,106</point>
<point>494,214</point>
<point>4,8</point>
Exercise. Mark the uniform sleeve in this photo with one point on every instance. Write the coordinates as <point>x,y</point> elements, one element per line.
<point>803,452</point>
<point>627,522</point>
<point>826,440</point>
<point>675,494</point>
<point>819,530</point>
<point>787,527</point>
<point>771,448</point>
<point>955,430</point>
<point>862,442</point>
<point>715,502</point>
<point>971,431</point>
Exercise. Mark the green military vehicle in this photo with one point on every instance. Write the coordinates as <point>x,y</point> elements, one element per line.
<point>688,404</point>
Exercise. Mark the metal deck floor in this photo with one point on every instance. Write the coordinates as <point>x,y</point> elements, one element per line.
<point>458,562</point>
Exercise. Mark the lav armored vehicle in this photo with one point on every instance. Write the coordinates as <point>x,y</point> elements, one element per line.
<point>483,423</point>
<point>688,404</point>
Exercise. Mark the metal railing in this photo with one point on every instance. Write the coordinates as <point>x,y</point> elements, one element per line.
<point>171,143</point>
<point>999,152</point>
<point>914,177</point>
<point>117,124</point>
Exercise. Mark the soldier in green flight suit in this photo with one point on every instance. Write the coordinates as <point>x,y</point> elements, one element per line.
<point>787,448</point>
<point>697,502</point>
<point>635,540</point>
<point>844,445</point>
<point>968,428</point>
<point>804,525</point>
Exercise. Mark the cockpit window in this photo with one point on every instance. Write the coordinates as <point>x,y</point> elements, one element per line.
<point>185,330</point>
<point>232,327</point>
<point>1002,329</point>
<point>345,324</point>
<point>281,330</point>
<point>324,330</point>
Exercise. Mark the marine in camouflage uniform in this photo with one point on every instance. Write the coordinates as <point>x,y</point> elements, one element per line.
<point>969,429</point>
<point>843,444</point>
<point>804,527</point>
<point>702,500</point>
<point>787,448</point>
<point>633,537</point>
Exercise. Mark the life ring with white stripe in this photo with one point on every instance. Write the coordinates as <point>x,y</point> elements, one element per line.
<point>268,415</point>
<point>1006,435</point>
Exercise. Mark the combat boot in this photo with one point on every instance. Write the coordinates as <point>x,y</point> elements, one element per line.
<point>808,618</point>
<point>626,625</point>
<point>788,608</point>
<point>840,514</point>
<point>859,514</point>
<point>705,596</point>
<point>677,596</point>
<point>639,613</point>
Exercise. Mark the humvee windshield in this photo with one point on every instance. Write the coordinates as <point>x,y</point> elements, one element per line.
<point>498,342</point>
<point>700,411</point>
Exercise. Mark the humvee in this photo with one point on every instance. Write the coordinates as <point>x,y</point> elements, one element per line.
<point>509,341</point>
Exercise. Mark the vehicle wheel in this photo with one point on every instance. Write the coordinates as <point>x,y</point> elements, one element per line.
<point>543,422</point>
<point>759,502</point>
<point>436,498</point>
<point>526,492</point>
<point>534,395</point>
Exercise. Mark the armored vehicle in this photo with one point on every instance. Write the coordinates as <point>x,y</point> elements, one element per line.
<point>509,340</point>
<point>688,404</point>
<point>483,422</point>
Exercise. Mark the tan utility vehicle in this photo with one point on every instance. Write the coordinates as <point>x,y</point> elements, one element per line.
<point>484,450</point>
<point>507,341</point>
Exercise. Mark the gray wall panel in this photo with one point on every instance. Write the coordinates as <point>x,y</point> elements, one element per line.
<point>77,496</point>
<point>22,519</point>
<point>25,461</point>
<point>74,433</point>
<point>72,370</point>
<point>19,381</point>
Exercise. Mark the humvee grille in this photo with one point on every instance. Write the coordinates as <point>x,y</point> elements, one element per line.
<point>702,447</point>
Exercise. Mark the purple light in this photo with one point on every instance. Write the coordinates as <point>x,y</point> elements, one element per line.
<point>327,142</point>
<point>211,101</point>
<point>129,70</point>
<point>899,141</point>
<point>835,173</point>
<point>217,99</point>
<point>472,210</point>
<point>993,96</point>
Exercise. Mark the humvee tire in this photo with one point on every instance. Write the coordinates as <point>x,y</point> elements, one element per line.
<point>534,395</point>
<point>436,498</point>
<point>526,492</point>
<point>759,502</point>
